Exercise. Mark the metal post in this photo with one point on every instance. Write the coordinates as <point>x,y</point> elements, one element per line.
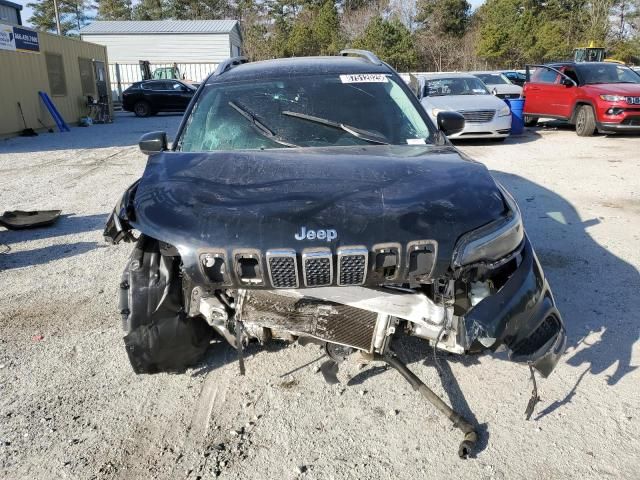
<point>119,82</point>
<point>55,8</point>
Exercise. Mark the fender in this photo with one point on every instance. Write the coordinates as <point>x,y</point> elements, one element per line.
<point>574,109</point>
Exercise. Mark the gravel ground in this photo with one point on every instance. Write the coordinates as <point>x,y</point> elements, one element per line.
<point>70,406</point>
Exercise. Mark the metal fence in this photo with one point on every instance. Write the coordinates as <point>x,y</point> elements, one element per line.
<point>122,75</point>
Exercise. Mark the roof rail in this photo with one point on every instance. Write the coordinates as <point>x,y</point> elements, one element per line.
<point>366,54</point>
<point>229,63</point>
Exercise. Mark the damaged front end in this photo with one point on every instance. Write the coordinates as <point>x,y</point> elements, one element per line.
<point>493,293</point>
<point>197,268</point>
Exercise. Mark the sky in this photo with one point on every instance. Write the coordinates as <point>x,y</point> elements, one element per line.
<point>26,11</point>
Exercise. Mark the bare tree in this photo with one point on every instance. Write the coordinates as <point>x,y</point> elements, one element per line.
<point>354,21</point>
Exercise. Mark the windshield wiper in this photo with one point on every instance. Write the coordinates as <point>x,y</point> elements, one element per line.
<point>260,127</point>
<point>356,132</point>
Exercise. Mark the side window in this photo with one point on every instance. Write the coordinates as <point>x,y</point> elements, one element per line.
<point>544,75</point>
<point>159,85</point>
<point>55,72</point>
<point>86,76</point>
<point>177,86</point>
<point>571,73</point>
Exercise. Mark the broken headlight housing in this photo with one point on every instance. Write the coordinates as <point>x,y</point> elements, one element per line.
<point>494,240</point>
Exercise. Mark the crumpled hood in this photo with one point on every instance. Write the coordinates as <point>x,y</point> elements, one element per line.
<point>261,199</point>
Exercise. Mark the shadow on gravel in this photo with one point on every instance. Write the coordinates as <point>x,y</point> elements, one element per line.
<point>67,224</point>
<point>40,256</point>
<point>597,292</point>
<point>126,130</point>
<point>221,353</point>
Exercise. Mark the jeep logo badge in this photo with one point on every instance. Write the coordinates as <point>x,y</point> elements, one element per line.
<point>305,234</point>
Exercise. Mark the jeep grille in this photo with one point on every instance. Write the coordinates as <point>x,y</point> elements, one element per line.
<point>283,271</point>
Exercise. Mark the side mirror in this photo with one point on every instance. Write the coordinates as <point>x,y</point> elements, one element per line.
<point>567,82</point>
<point>450,123</point>
<point>153,142</point>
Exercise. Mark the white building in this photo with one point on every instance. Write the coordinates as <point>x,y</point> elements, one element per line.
<point>166,41</point>
<point>194,47</point>
<point>10,13</point>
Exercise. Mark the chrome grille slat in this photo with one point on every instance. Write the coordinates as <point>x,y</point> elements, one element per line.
<point>283,268</point>
<point>352,265</point>
<point>478,116</point>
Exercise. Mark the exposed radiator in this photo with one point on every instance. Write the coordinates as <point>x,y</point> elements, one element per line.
<point>333,322</point>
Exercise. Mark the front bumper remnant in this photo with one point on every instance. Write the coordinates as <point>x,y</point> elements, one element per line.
<point>523,316</point>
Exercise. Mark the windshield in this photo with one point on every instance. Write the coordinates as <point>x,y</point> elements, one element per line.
<point>454,86</point>
<point>492,78</point>
<point>313,111</point>
<point>607,73</point>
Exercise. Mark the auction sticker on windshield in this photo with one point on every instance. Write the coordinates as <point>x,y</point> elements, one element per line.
<point>363,78</point>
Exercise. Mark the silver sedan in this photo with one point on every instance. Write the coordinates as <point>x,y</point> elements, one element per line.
<point>486,115</point>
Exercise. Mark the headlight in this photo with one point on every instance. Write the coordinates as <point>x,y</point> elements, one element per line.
<point>493,241</point>
<point>436,111</point>
<point>504,111</point>
<point>613,98</point>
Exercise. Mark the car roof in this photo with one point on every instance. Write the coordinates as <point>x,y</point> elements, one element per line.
<point>299,66</point>
<point>582,64</point>
<point>436,76</point>
<point>160,80</point>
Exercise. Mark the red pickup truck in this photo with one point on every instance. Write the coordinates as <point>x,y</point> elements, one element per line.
<point>593,96</point>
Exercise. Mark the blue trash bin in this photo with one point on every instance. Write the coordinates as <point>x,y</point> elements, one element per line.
<point>516,106</point>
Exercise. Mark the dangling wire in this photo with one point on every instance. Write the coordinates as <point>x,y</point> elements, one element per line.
<point>435,346</point>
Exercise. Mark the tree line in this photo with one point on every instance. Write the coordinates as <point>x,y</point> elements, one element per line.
<point>416,35</point>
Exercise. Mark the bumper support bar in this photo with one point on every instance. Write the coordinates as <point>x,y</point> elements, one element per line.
<point>470,435</point>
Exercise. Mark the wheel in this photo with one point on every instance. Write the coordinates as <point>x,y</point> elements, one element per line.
<point>142,109</point>
<point>499,140</point>
<point>585,121</point>
<point>530,121</point>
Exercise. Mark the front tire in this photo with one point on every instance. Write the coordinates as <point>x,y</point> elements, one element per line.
<point>585,121</point>
<point>142,109</point>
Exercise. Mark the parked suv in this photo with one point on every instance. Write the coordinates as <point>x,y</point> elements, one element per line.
<point>593,96</point>
<point>152,96</point>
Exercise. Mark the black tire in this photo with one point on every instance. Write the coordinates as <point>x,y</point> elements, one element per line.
<point>585,121</point>
<point>530,121</point>
<point>499,140</point>
<point>142,109</point>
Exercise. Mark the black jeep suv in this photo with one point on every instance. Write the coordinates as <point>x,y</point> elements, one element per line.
<point>313,199</point>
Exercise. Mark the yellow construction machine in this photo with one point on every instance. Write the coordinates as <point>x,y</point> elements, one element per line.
<point>592,54</point>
